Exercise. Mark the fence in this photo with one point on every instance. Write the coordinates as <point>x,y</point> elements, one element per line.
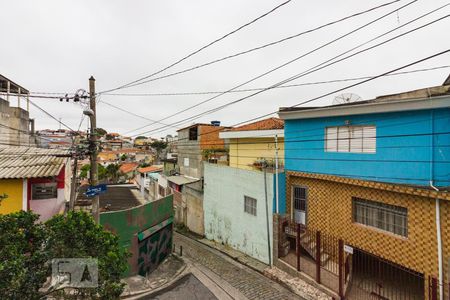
<point>318,255</point>
<point>434,289</point>
<point>350,272</point>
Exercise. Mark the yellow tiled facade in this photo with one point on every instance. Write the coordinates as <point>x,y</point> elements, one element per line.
<point>330,211</point>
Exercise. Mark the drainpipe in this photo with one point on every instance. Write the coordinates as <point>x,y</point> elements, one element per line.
<point>267,214</point>
<point>437,213</point>
<point>276,175</point>
<point>439,243</point>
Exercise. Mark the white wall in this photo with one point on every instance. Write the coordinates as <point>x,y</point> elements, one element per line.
<point>225,219</point>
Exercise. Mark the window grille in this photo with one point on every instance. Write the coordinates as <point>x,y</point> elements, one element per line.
<point>383,216</point>
<point>41,191</point>
<point>250,205</point>
<point>300,198</point>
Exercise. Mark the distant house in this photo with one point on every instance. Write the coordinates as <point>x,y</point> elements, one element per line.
<point>195,145</point>
<point>59,145</point>
<point>375,175</point>
<point>198,143</point>
<point>235,196</point>
<point>127,171</point>
<point>170,166</point>
<point>34,179</point>
<point>147,182</point>
<point>113,145</point>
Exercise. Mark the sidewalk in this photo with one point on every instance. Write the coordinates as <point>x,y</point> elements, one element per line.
<point>165,274</point>
<point>296,285</point>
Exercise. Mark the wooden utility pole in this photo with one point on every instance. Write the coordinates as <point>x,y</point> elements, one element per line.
<point>73,187</point>
<point>93,143</point>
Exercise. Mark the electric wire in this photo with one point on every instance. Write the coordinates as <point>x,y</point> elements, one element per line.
<point>346,87</point>
<point>262,46</point>
<point>278,87</point>
<point>201,48</point>
<point>273,69</point>
<point>320,66</point>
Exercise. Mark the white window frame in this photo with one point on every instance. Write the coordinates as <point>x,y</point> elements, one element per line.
<point>351,139</point>
<point>381,216</point>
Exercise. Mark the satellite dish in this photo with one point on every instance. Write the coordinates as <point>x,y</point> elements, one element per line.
<point>346,98</point>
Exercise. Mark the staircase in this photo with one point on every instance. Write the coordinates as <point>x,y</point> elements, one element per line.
<point>308,242</point>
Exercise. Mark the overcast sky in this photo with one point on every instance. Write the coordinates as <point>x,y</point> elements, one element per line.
<point>56,45</point>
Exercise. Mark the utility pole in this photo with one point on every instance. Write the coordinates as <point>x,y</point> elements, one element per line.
<point>73,187</point>
<point>93,143</point>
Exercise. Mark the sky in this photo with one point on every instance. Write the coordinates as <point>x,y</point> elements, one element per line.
<point>54,46</point>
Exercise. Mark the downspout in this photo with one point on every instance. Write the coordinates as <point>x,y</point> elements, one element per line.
<point>438,211</point>
<point>276,175</point>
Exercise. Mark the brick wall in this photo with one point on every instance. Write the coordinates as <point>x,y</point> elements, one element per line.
<point>209,137</point>
<point>330,210</point>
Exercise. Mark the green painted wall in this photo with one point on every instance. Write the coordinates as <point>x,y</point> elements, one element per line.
<point>127,224</point>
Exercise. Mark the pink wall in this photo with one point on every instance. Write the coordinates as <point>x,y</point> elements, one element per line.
<point>48,207</point>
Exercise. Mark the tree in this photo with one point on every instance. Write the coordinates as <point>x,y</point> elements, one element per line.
<point>144,165</point>
<point>26,246</point>
<point>123,157</point>
<point>23,267</point>
<point>158,146</point>
<point>112,171</point>
<point>100,131</point>
<point>86,168</point>
<point>77,235</point>
<point>109,137</point>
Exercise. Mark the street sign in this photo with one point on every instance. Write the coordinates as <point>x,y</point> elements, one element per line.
<point>96,190</point>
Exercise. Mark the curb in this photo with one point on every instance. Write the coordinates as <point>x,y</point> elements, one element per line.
<point>164,285</point>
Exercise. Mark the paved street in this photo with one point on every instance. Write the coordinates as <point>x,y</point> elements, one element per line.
<point>188,287</point>
<point>250,283</point>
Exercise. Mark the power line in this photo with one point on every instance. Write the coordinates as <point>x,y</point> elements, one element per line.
<point>311,70</point>
<point>51,116</point>
<point>324,139</point>
<point>264,46</point>
<point>274,69</point>
<point>278,87</point>
<point>346,87</point>
<point>136,115</point>
<point>201,48</point>
<point>356,176</point>
<point>333,159</point>
<point>317,68</point>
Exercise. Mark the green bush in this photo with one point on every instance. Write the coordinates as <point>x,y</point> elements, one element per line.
<point>27,246</point>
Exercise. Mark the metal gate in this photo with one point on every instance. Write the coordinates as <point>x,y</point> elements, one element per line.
<point>377,278</point>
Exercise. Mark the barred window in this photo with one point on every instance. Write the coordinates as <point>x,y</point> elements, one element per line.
<point>355,139</point>
<point>299,198</point>
<point>41,191</point>
<point>250,205</point>
<point>380,215</point>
